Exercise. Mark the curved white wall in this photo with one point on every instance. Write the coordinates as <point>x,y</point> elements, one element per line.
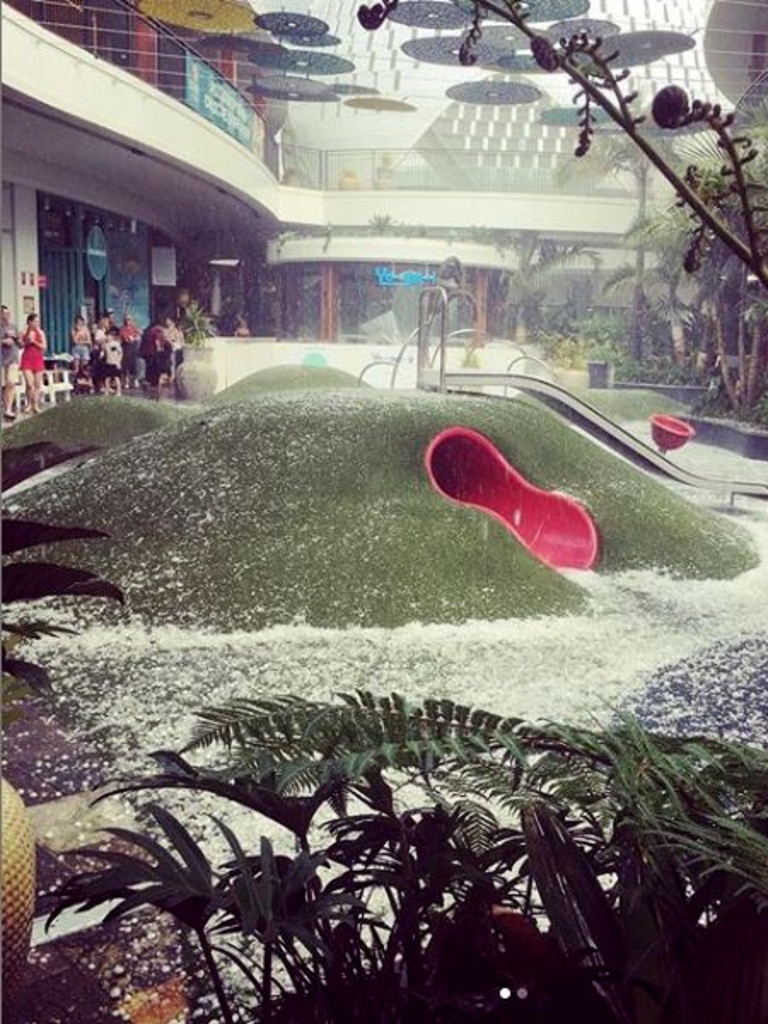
<point>394,249</point>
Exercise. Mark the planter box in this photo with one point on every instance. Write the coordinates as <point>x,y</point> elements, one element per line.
<point>686,394</point>
<point>743,440</point>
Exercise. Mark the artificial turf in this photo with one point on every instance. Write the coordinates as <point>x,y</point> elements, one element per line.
<point>314,506</point>
<point>96,419</point>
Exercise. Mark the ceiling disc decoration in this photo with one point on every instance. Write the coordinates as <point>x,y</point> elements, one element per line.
<point>348,89</point>
<point>201,15</point>
<point>380,103</point>
<point>445,50</point>
<point>429,14</point>
<point>504,38</point>
<point>281,23</point>
<point>645,47</point>
<point>569,117</point>
<point>556,10</point>
<point>494,93</point>
<point>467,7</point>
<point>524,63</point>
<point>291,87</point>
<point>592,26</point>
<point>247,46</point>
<point>308,39</point>
<point>308,62</point>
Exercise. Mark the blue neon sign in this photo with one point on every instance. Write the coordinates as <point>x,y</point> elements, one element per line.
<point>387,278</point>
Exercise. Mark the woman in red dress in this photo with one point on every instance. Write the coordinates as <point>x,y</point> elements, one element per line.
<point>32,362</point>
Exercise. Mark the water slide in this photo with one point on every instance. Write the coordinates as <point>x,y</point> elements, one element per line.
<point>468,469</point>
<point>598,425</point>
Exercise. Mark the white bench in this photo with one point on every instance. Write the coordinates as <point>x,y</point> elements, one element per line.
<point>56,383</point>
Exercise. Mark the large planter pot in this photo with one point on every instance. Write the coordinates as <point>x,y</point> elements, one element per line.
<point>17,843</point>
<point>197,378</point>
<point>348,181</point>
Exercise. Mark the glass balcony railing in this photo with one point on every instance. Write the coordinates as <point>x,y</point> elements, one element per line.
<point>115,31</point>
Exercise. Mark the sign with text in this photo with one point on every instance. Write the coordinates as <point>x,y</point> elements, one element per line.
<point>388,278</point>
<point>218,101</point>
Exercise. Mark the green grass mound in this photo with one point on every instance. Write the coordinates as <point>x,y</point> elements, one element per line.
<point>286,378</point>
<point>315,506</point>
<point>98,419</point>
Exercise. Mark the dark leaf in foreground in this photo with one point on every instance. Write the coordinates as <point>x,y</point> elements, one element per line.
<point>33,675</point>
<point>28,581</point>
<point>24,533</point>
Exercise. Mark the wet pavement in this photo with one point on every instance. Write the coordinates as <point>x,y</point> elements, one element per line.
<point>138,969</point>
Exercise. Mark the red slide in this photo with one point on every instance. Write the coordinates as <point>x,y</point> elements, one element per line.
<point>467,468</point>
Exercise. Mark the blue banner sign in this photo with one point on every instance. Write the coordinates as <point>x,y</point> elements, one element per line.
<point>218,101</point>
<point>387,278</point>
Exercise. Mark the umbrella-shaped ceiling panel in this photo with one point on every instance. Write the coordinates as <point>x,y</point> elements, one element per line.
<point>495,93</point>
<point>291,87</point>
<point>282,23</point>
<point>200,15</point>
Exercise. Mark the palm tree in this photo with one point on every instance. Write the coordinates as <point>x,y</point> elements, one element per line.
<point>617,156</point>
<point>523,289</point>
<point>665,238</point>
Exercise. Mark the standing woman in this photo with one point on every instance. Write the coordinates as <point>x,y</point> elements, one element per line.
<point>32,362</point>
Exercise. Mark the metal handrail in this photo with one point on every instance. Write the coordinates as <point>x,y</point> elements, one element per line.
<point>393,361</point>
<point>525,358</point>
<point>433,302</point>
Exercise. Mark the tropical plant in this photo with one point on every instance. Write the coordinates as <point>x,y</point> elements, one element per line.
<point>382,224</point>
<point>664,237</point>
<point>196,325</point>
<point>445,864</point>
<point>522,291</point>
<point>612,155</point>
<point>25,580</point>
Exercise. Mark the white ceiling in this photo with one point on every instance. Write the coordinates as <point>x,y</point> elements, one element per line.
<point>381,64</point>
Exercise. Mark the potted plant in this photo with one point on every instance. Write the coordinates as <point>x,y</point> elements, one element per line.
<point>197,326</point>
<point>348,180</point>
<point>196,377</point>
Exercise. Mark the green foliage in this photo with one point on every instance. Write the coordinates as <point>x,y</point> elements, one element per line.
<point>382,224</point>
<point>97,422</point>
<point>564,350</point>
<point>656,370</point>
<point>635,850</point>
<point>196,326</point>
<point>602,329</point>
<point>31,580</point>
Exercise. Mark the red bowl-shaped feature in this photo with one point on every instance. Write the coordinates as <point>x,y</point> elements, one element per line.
<point>467,468</point>
<point>669,433</point>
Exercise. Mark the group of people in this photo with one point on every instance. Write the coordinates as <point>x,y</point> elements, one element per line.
<point>23,355</point>
<point>106,359</point>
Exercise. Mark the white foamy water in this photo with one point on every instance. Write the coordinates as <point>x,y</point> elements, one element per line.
<point>136,689</point>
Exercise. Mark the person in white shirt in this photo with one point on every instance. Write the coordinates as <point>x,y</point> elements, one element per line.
<point>113,363</point>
